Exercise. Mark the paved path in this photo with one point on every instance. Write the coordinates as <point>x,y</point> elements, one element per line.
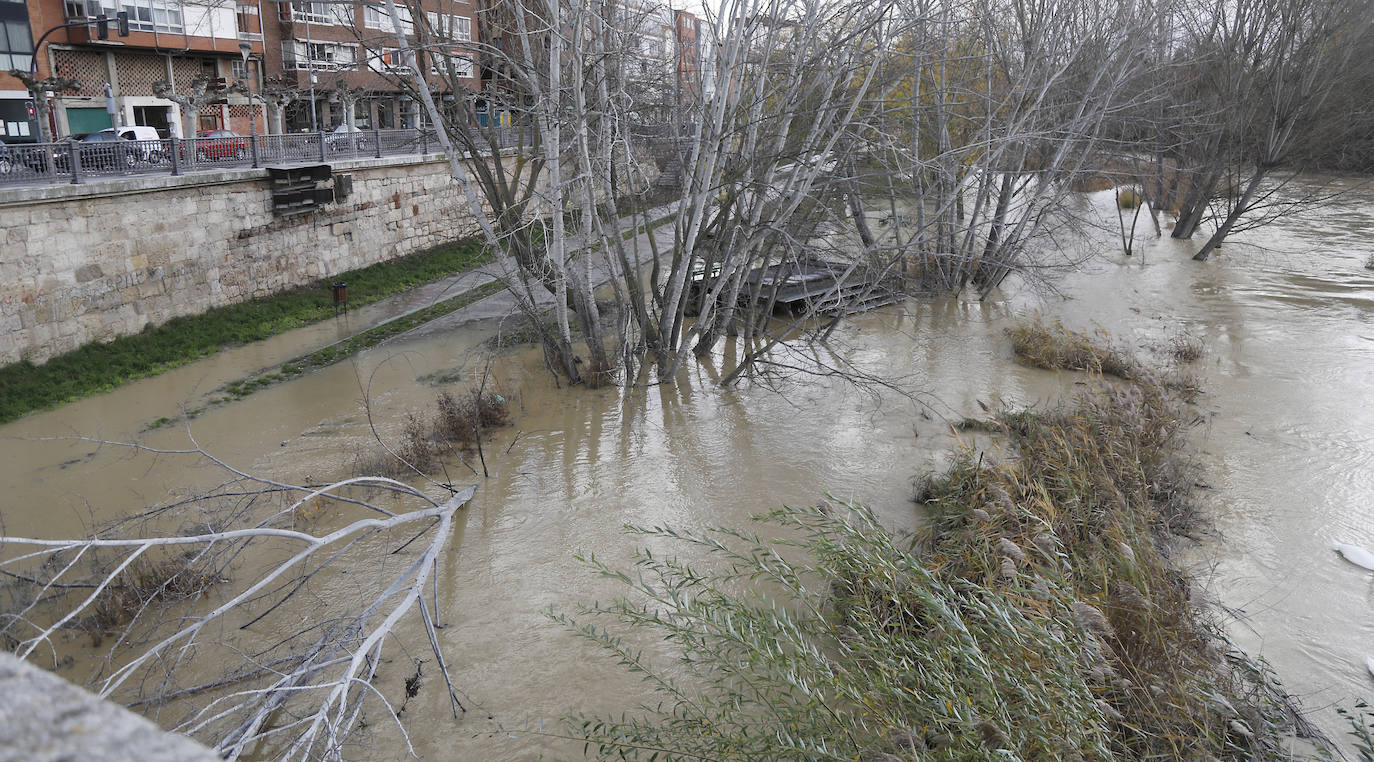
<point>495,306</point>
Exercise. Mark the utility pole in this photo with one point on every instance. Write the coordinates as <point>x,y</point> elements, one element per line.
<point>310,64</point>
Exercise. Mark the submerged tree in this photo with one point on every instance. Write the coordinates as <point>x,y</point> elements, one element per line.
<point>210,618</point>
<point>900,145</point>
<point>1263,70</point>
<point>969,121</point>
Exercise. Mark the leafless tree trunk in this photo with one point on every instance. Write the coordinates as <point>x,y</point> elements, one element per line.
<point>37,89</point>
<point>191,102</point>
<point>1265,67</point>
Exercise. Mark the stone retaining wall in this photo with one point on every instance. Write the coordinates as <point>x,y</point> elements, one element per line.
<point>92,262</point>
<point>44,718</point>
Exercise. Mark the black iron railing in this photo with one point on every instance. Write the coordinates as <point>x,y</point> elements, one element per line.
<point>78,161</point>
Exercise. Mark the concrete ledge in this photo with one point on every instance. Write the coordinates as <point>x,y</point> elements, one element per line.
<point>125,185</point>
<point>44,718</point>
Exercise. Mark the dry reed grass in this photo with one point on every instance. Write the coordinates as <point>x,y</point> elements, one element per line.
<point>1129,199</point>
<point>1083,516</point>
<point>1054,347</point>
<point>1185,348</point>
<point>1036,615</point>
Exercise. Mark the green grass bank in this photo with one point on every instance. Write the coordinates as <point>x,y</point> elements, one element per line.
<point>99,367</point>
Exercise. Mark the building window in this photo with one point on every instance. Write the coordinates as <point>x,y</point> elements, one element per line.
<point>317,56</point>
<point>387,61</point>
<point>249,25</point>
<point>318,13</point>
<point>450,28</point>
<point>378,18</point>
<point>16,46</point>
<point>240,68</point>
<point>462,65</point>
<point>144,15</point>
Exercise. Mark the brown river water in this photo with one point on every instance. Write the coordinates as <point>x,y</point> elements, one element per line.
<point>1286,314</point>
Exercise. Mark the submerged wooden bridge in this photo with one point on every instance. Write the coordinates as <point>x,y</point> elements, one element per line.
<point>814,285</point>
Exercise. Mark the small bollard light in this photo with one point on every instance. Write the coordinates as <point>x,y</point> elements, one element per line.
<point>340,295</point>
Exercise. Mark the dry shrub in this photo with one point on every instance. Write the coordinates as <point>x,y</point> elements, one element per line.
<point>1055,347</point>
<point>456,425</point>
<point>1082,518</point>
<point>417,445</point>
<point>460,421</point>
<point>1185,348</point>
<point>1093,183</point>
<point>1129,198</point>
<point>140,585</point>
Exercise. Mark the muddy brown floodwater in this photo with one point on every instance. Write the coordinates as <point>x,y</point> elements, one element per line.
<point>1286,315</point>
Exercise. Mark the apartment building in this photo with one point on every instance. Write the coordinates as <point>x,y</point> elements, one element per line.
<point>689,36</point>
<point>322,63</point>
<point>16,52</point>
<point>168,40</point>
<point>314,64</point>
<point>345,64</point>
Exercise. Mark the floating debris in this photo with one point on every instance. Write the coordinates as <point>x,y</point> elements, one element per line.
<point>1355,555</point>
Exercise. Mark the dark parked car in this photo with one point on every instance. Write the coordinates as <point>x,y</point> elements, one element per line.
<point>102,150</point>
<point>220,144</point>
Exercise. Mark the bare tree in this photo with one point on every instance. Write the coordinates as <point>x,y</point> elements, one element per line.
<point>1005,110</point>
<point>1265,68</point>
<point>968,119</point>
<point>279,95</point>
<point>191,102</point>
<point>582,78</point>
<point>38,90</point>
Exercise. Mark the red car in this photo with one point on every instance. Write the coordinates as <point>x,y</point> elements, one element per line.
<point>220,144</point>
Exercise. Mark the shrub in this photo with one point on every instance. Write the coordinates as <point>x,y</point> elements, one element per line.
<point>1185,348</point>
<point>1035,615</point>
<point>1056,347</point>
<point>461,420</point>
<point>1128,199</point>
<point>456,425</point>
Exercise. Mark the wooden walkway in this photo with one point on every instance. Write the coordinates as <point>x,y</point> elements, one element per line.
<point>817,285</point>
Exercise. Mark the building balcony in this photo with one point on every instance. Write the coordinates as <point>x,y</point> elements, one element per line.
<point>199,28</point>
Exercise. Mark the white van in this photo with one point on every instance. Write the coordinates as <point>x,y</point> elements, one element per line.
<point>149,147</point>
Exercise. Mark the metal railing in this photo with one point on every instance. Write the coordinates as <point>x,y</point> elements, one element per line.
<point>72,161</point>
<point>77,161</point>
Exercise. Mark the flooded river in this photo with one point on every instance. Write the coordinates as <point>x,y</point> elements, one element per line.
<point>1286,316</point>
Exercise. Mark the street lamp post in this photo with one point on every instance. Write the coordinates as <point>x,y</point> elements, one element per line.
<point>245,49</point>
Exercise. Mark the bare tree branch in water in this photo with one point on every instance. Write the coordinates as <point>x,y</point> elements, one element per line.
<point>239,616</point>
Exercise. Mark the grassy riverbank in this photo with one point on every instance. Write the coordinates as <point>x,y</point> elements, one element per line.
<point>1035,614</point>
<point>99,367</point>
<point>333,353</point>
